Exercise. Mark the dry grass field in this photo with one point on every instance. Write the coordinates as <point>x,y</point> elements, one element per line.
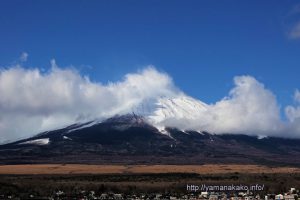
<point>140,169</point>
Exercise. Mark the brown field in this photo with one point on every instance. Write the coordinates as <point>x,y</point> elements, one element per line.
<point>140,169</point>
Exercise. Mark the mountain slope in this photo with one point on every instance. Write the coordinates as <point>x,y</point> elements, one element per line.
<point>130,139</point>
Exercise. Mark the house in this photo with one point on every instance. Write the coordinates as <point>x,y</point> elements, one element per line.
<point>292,190</point>
<point>289,197</point>
<point>118,196</point>
<point>249,197</point>
<point>204,194</point>
<point>104,196</point>
<point>279,197</point>
<point>213,197</point>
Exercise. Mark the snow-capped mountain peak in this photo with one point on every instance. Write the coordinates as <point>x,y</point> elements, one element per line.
<point>178,108</point>
<point>171,112</point>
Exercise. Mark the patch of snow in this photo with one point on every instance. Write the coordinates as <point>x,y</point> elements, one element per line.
<point>85,125</point>
<point>162,129</point>
<point>200,132</point>
<point>43,141</point>
<point>261,137</point>
<point>66,138</point>
<point>185,131</point>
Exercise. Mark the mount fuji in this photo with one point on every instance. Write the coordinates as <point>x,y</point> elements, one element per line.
<point>150,135</point>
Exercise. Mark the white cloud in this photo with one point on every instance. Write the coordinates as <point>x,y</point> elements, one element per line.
<point>293,115</point>
<point>32,101</point>
<point>297,96</point>
<point>294,33</point>
<point>295,10</point>
<point>250,108</point>
<point>292,22</point>
<point>293,112</point>
<point>24,57</point>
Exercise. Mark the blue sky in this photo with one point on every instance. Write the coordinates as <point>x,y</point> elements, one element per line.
<point>202,45</point>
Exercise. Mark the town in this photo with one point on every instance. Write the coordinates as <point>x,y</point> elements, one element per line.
<point>292,194</point>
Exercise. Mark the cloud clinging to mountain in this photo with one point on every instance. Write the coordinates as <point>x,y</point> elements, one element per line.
<point>32,101</point>
<point>249,108</point>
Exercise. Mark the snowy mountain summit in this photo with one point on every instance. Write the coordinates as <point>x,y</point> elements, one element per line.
<point>179,112</point>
